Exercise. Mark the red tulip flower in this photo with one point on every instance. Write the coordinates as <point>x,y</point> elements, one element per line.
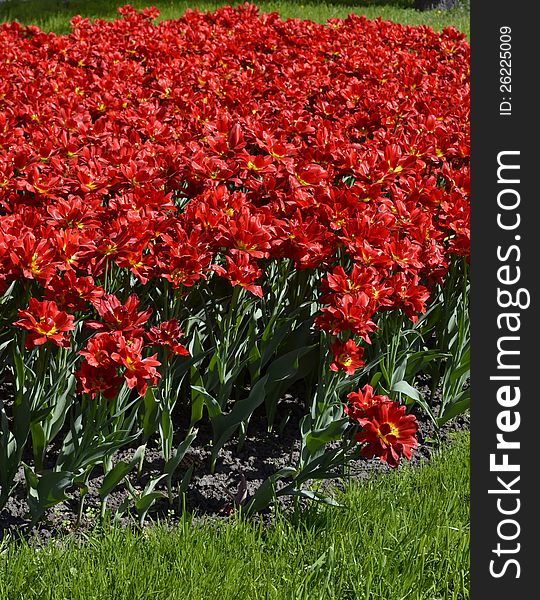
<point>347,356</point>
<point>98,380</point>
<point>45,323</point>
<point>242,271</point>
<point>139,371</point>
<point>387,432</point>
<point>119,317</point>
<point>168,335</point>
<point>360,401</point>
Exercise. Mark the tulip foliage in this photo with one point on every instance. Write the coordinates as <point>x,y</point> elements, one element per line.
<point>196,215</point>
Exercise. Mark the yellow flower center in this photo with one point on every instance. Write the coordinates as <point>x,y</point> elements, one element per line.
<point>393,430</point>
<point>34,266</point>
<point>345,360</point>
<point>246,247</point>
<point>46,328</point>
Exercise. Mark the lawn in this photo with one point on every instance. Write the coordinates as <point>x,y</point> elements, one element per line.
<point>54,15</point>
<point>394,539</point>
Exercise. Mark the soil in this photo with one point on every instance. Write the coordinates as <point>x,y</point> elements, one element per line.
<point>238,469</point>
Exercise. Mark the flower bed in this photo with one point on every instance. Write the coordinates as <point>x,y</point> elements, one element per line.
<point>197,214</point>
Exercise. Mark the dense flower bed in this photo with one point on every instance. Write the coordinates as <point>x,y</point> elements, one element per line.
<point>230,147</point>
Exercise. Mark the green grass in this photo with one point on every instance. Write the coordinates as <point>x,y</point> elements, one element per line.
<point>54,15</point>
<point>404,535</point>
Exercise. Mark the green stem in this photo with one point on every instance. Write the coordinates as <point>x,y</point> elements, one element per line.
<point>169,491</point>
<point>232,307</point>
<point>83,492</point>
<point>106,279</point>
<point>43,356</point>
<point>166,300</point>
<point>103,509</point>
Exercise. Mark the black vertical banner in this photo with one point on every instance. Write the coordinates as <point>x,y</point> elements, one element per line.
<point>505,405</point>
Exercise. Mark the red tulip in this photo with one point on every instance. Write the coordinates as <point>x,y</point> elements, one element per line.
<point>45,323</point>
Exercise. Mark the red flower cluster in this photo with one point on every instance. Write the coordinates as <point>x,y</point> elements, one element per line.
<point>208,145</point>
<point>106,354</point>
<point>387,431</point>
<point>118,346</point>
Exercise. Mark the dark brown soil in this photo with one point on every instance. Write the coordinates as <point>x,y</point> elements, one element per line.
<point>260,456</point>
